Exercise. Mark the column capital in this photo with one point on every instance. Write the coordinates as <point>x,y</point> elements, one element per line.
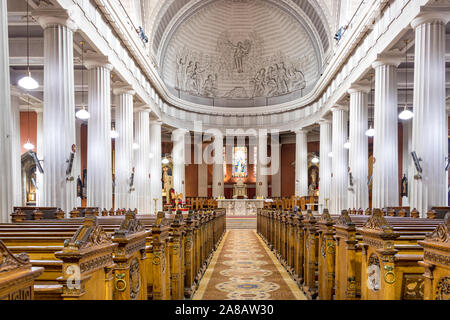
<point>339,107</point>
<point>94,60</point>
<point>142,108</point>
<point>156,122</point>
<point>432,15</point>
<point>122,88</point>
<point>362,86</point>
<point>301,131</point>
<point>324,122</point>
<point>48,17</point>
<point>393,58</point>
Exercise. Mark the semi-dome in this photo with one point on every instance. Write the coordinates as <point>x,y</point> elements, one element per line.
<point>240,53</point>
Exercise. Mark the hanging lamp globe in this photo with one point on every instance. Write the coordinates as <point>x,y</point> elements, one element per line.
<point>82,114</point>
<point>406,114</point>
<point>370,132</point>
<point>28,145</point>
<point>28,82</point>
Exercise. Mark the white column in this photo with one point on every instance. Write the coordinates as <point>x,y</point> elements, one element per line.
<point>99,166</point>
<point>358,194</point>
<point>218,178</point>
<point>325,165</point>
<point>407,164</point>
<point>6,167</point>
<point>339,163</point>
<point>202,176</point>
<point>40,199</point>
<point>59,108</point>
<point>15,147</point>
<point>301,163</point>
<point>123,162</point>
<point>142,161</point>
<point>178,157</point>
<point>155,164</point>
<point>275,171</point>
<point>262,170</point>
<point>385,192</point>
<point>430,136</point>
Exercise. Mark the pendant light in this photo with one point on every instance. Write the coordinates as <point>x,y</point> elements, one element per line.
<point>371,131</point>
<point>347,144</point>
<point>114,133</point>
<point>406,114</point>
<point>27,82</point>
<point>28,145</point>
<point>136,146</point>
<point>82,114</point>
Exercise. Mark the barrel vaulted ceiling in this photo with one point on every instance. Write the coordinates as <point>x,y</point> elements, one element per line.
<point>240,53</point>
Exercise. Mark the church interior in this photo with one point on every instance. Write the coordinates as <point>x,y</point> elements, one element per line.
<point>224,150</point>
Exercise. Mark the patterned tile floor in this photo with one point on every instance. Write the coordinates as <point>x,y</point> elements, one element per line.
<point>243,268</point>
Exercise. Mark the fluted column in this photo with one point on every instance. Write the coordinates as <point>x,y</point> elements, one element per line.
<point>123,162</point>
<point>179,156</point>
<point>40,199</point>
<point>325,164</point>
<point>430,136</point>
<point>358,194</point>
<point>155,164</point>
<point>301,163</point>
<point>275,170</point>
<point>203,176</point>
<point>218,178</point>
<point>142,161</point>
<point>407,164</point>
<point>59,108</point>
<point>385,192</point>
<point>6,167</point>
<point>15,147</point>
<point>262,170</point>
<point>99,166</point>
<point>339,163</point>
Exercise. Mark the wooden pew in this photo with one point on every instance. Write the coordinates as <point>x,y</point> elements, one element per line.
<point>390,255</point>
<point>436,262</point>
<point>16,275</point>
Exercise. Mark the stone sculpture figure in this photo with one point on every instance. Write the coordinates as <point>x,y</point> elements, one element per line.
<point>241,49</point>
<point>181,74</point>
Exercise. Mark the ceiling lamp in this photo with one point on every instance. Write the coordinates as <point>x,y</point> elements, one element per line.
<point>315,160</point>
<point>330,154</point>
<point>347,144</point>
<point>114,133</point>
<point>28,82</point>
<point>28,145</point>
<point>151,155</point>
<point>165,161</point>
<point>406,114</point>
<point>136,146</point>
<point>82,114</point>
<point>370,132</point>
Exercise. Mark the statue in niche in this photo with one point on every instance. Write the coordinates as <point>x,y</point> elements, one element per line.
<point>241,50</point>
<point>404,192</point>
<point>312,180</point>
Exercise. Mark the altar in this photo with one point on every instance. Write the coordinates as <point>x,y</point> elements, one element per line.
<point>241,207</point>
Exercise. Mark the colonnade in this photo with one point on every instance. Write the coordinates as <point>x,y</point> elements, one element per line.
<point>58,132</point>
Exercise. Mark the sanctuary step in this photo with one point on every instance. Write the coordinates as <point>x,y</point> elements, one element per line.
<point>244,222</point>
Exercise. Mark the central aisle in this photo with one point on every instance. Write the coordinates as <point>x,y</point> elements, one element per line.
<point>243,268</point>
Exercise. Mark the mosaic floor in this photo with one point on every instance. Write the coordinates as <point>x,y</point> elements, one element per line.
<point>243,268</point>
